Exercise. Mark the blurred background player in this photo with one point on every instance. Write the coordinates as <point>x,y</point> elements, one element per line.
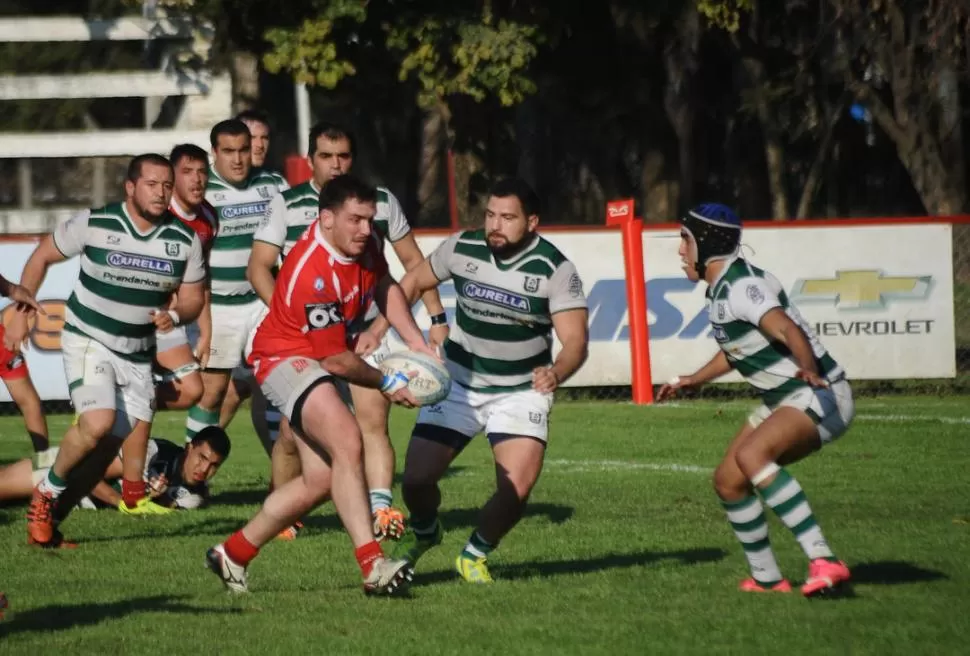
<point>241,383</point>
<point>177,476</point>
<point>15,375</point>
<point>134,255</point>
<point>240,196</point>
<point>500,359</point>
<point>178,382</point>
<point>326,283</point>
<point>806,399</point>
<point>330,152</point>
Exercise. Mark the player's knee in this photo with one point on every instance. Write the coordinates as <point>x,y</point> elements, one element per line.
<point>95,425</point>
<point>516,485</point>
<point>190,390</point>
<point>749,459</point>
<point>728,480</point>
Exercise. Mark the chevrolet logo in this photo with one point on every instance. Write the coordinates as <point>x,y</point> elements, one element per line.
<point>861,289</point>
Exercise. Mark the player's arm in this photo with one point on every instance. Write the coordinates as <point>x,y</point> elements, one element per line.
<point>570,317</point>
<point>24,299</point>
<point>259,271</point>
<point>66,241</point>
<point>393,304</point>
<point>267,245</point>
<point>715,368</point>
<point>407,250</point>
<point>778,326</point>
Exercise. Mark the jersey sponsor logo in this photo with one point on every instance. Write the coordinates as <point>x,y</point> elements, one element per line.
<point>244,210</point>
<point>125,260</point>
<point>299,365</point>
<point>531,284</point>
<point>471,267</point>
<point>322,315</point>
<point>495,296</point>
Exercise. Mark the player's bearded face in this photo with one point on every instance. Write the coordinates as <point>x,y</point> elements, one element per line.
<point>259,140</point>
<point>232,157</point>
<point>331,158</point>
<point>350,226</point>
<point>152,191</point>
<point>507,229</point>
<point>688,259</point>
<point>190,180</point>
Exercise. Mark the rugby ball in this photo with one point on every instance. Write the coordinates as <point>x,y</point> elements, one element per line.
<point>430,381</point>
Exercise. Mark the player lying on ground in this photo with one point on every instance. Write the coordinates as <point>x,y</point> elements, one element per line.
<point>806,399</point>
<point>330,153</point>
<point>514,288</point>
<point>177,476</point>
<point>15,375</point>
<point>324,289</point>
<point>134,255</point>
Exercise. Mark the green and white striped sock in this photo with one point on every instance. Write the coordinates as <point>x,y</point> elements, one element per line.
<point>747,518</point>
<point>784,495</point>
<point>198,419</point>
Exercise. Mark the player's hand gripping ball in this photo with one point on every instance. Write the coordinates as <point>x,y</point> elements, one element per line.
<point>429,380</point>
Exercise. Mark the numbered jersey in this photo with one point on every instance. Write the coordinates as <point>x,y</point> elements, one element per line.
<point>240,211</point>
<point>503,319</point>
<point>125,274</point>
<point>737,301</point>
<point>319,297</point>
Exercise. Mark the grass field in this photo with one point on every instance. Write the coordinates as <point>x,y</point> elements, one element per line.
<point>624,550</point>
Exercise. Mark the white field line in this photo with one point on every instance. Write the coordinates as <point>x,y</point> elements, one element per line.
<point>901,418</point>
<point>617,465</point>
<point>893,418</point>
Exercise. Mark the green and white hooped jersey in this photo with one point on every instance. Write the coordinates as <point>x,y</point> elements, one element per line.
<point>240,211</point>
<point>125,274</point>
<point>736,302</point>
<point>503,319</point>
<point>291,212</point>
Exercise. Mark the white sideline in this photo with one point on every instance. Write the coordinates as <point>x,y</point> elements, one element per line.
<point>613,465</point>
<point>931,418</point>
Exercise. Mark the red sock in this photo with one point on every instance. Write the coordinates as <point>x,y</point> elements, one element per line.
<point>366,555</point>
<point>132,491</point>
<point>239,549</point>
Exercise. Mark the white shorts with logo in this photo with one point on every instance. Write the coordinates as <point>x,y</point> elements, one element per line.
<point>831,408</point>
<point>99,379</point>
<point>289,380</point>
<point>232,326</point>
<point>468,413</point>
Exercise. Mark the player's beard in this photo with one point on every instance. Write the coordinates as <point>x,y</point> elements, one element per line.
<point>146,213</point>
<point>509,248</point>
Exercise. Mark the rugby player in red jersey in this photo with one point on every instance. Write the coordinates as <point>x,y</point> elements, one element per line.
<point>300,350</point>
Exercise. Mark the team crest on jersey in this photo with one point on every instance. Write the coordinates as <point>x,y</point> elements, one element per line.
<point>114,240</point>
<point>531,284</point>
<point>494,296</point>
<point>264,192</point>
<point>172,248</point>
<point>318,285</point>
<point>125,260</point>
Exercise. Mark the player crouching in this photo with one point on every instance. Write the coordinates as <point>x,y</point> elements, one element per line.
<point>807,401</point>
<point>324,288</point>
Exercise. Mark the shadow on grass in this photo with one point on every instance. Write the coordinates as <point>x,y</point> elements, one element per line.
<point>583,566</point>
<point>221,527</point>
<point>893,572</point>
<point>60,617</point>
